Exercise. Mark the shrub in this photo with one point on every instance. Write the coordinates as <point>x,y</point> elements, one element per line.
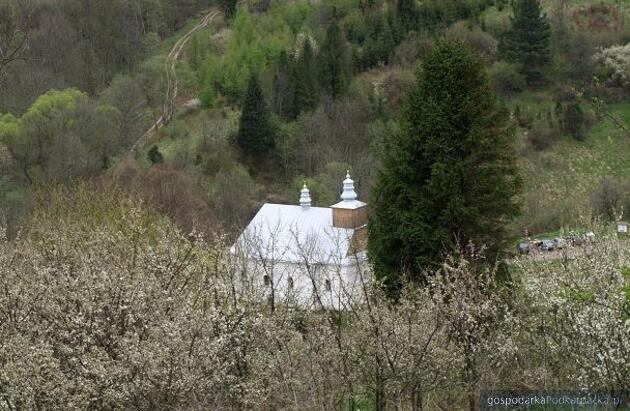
<point>606,199</point>
<point>233,197</point>
<point>207,96</point>
<point>154,155</point>
<point>480,41</point>
<point>127,288</point>
<point>523,116</point>
<point>412,49</point>
<point>574,121</point>
<point>506,78</point>
<point>615,64</point>
<point>542,134</point>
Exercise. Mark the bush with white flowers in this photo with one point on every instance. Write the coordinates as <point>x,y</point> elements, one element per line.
<point>615,62</point>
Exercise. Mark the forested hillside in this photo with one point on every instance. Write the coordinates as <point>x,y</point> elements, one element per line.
<point>334,78</point>
<point>139,137</point>
<point>80,44</point>
<point>79,83</point>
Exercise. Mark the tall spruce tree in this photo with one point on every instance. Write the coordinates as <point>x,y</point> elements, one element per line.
<point>449,176</point>
<point>334,61</point>
<point>527,42</point>
<point>378,44</point>
<point>385,42</point>
<point>305,78</point>
<point>256,133</point>
<point>407,13</point>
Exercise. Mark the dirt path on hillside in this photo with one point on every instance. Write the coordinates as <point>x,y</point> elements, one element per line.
<point>168,108</point>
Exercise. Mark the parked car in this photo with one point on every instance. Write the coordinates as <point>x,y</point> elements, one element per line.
<point>523,247</point>
<point>577,240</point>
<point>546,245</point>
<point>559,243</point>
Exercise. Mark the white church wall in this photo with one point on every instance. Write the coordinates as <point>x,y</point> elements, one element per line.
<point>298,255</point>
<point>305,285</point>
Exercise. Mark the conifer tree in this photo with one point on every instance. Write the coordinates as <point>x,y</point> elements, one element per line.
<point>385,42</point>
<point>306,88</point>
<point>394,26</point>
<point>449,176</point>
<point>334,62</point>
<point>378,44</point>
<point>154,155</point>
<point>229,7</point>
<point>366,57</point>
<point>256,133</point>
<point>407,13</point>
<point>573,120</point>
<point>527,42</point>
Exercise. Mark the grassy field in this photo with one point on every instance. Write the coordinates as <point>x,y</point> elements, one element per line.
<point>559,181</point>
<point>496,19</point>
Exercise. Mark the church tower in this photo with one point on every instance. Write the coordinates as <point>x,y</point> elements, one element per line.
<point>349,212</point>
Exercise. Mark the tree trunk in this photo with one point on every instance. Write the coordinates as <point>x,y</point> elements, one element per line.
<point>471,371</point>
<point>472,402</point>
<point>380,391</point>
<point>416,400</point>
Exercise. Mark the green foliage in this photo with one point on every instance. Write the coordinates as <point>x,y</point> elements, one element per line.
<point>377,44</point>
<point>407,13</point>
<point>573,53</point>
<point>62,135</point>
<point>207,96</point>
<point>305,80</point>
<point>197,49</point>
<point>254,44</point>
<point>527,42</point>
<point>82,44</point>
<point>295,14</point>
<point>15,202</point>
<point>9,126</point>
<point>128,95</point>
<point>228,6</point>
<point>609,199</point>
<point>575,295</point>
<point>479,40</point>
<point>320,194</point>
<point>334,61</point>
<point>506,78</point>
<point>154,155</point>
<point>256,133</point>
<point>542,134</point>
<point>573,120</point>
<point>232,194</point>
<point>152,80</point>
<point>442,13</point>
<point>449,177</point>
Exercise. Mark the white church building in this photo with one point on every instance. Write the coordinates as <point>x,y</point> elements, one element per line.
<point>300,255</point>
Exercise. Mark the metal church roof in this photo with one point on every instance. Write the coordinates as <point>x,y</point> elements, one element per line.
<point>296,234</point>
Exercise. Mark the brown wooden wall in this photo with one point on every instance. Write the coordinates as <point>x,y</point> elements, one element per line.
<point>359,241</point>
<point>345,218</point>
